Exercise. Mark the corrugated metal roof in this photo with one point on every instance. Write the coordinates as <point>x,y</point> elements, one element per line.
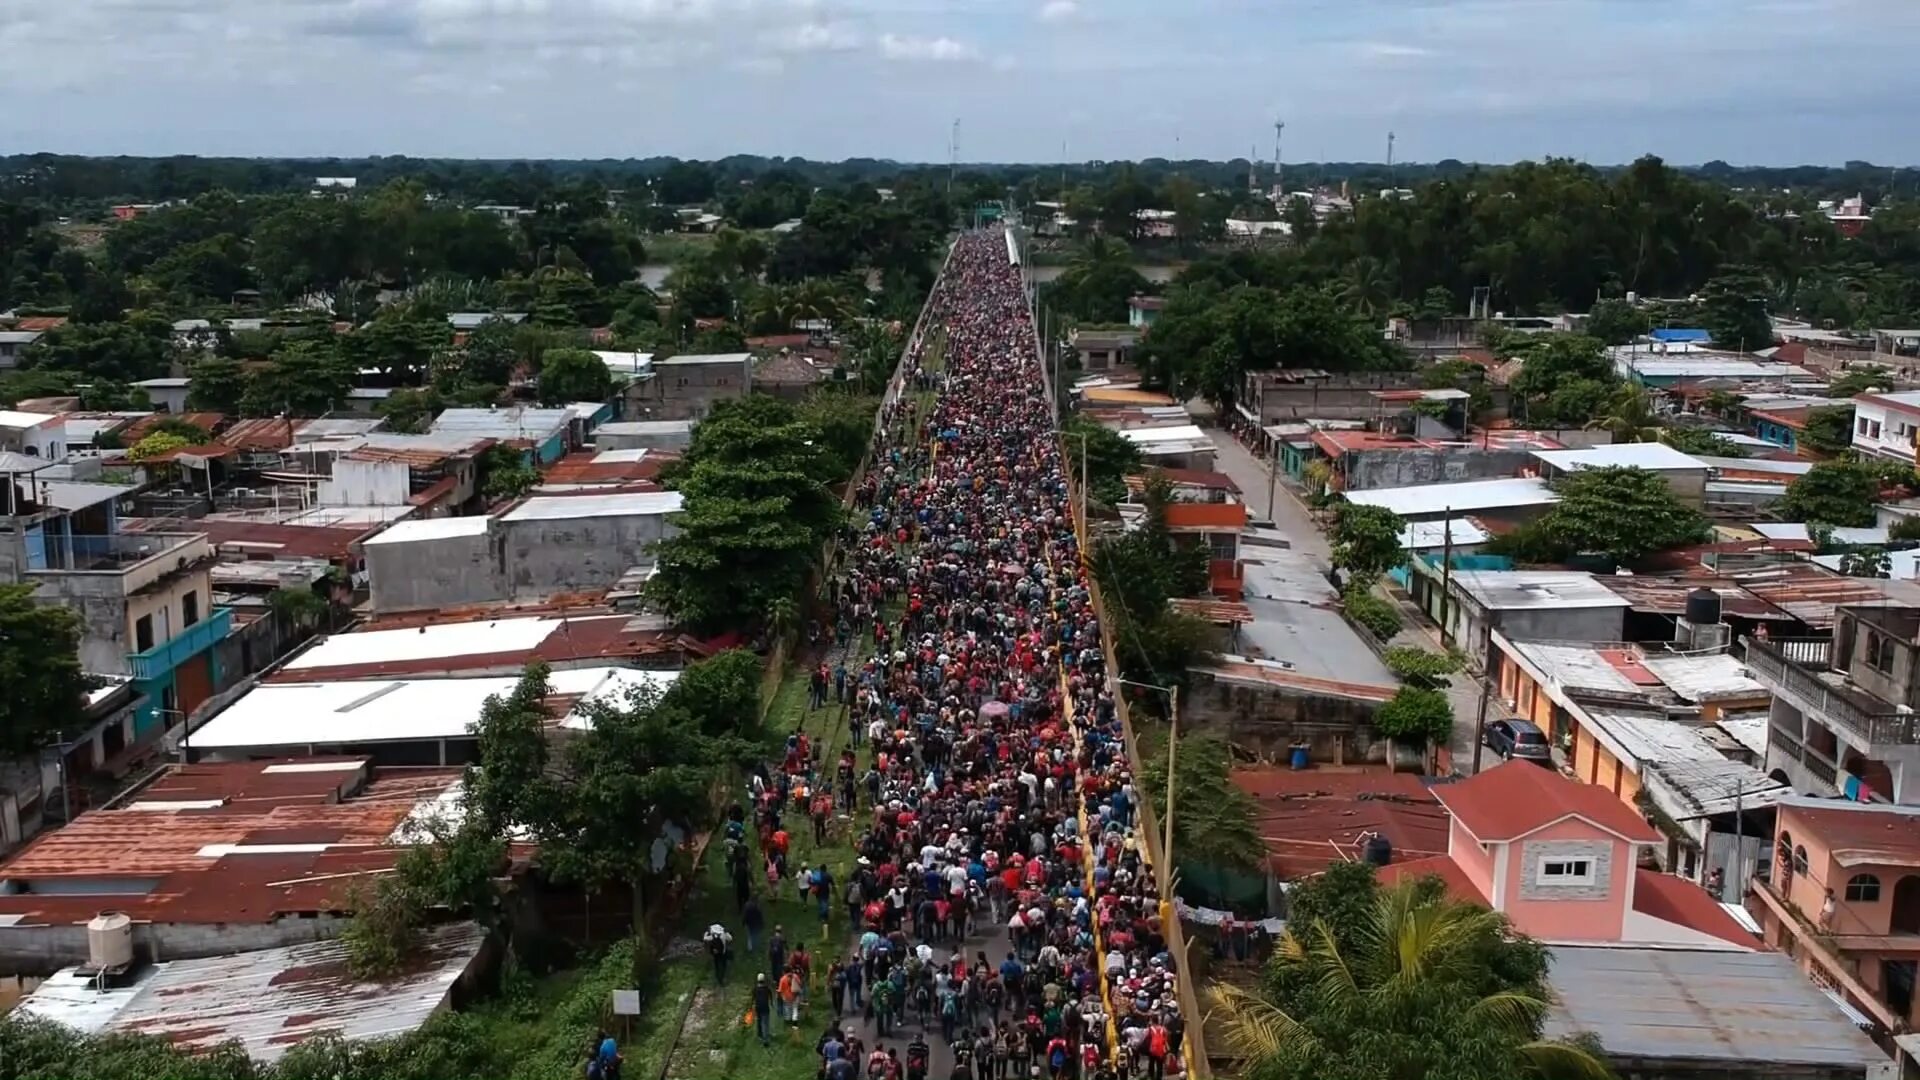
<point>1642,455</point>
<point>268,1000</point>
<point>1691,1005</point>
<point>1708,786</point>
<point>1708,677</point>
<point>629,504</point>
<point>1514,590</point>
<point>1422,499</point>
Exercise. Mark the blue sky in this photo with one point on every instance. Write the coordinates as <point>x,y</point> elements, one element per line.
<point>1747,81</point>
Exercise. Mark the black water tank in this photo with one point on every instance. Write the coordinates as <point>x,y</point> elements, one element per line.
<point>1378,850</point>
<point>1703,607</point>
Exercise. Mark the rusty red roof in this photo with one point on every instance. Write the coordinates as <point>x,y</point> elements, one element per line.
<point>1313,817</point>
<point>607,467</point>
<point>208,422</point>
<point>230,842</point>
<point>1515,798</point>
<point>1200,478</point>
<point>332,542</point>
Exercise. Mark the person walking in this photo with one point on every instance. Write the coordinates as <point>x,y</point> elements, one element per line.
<point>763,1009</point>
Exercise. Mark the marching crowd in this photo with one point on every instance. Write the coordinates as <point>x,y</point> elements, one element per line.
<point>985,771</point>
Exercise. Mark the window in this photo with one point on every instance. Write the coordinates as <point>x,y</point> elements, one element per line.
<point>1799,859</point>
<point>1860,425</point>
<point>190,608</point>
<point>1863,889</point>
<point>1873,429</point>
<point>1874,650</point>
<point>143,633</point>
<point>1883,660</point>
<point>1783,858</point>
<point>1566,871</point>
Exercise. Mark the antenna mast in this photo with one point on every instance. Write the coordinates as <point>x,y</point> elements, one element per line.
<point>1390,179</point>
<point>1279,181</point>
<point>953,154</point>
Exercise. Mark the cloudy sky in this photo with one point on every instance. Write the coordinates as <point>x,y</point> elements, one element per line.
<point>1748,81</point>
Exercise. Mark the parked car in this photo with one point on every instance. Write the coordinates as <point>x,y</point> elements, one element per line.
<point>1519,739</point>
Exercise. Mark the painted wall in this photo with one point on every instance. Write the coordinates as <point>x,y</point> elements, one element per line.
<point>1569,913</point>
<point>1476,862</point>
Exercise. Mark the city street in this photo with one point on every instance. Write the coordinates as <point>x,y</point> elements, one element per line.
<point>1289,515</point>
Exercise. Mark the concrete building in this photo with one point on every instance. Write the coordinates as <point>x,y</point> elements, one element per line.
<point>1685,475</point>
<point>1563,605</point>
<point>12,344</point>
<point>1291,395</point>
<point>1363,460</point>
<point>48,787</point>
<point>644,435</point>
<point>1662,365</point>
<point>1103,350</point>
<point>1176,446</point>
<point>36,435</point>
<point>1143,311</point>
<point>195,858</point>
<point>1842,897</point>
<point>1842,720</point>
<point>167,395</point>
<point>686,387</point>
<point>1887,425</point>
<point>544,432</point>
<point>545,546</point>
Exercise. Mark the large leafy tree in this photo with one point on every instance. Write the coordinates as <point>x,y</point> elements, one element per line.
<point>573,375</point>
<point>758,508</point>
<point>1563,379</point>
<point>1733,308</point>
<point>139,348</point>
<point>1839,493</point>
<point>1624,514</point>
<point>1402,983</point>
<point>1109,456</point>
<point>1366,540</point>
<point>40,667</point>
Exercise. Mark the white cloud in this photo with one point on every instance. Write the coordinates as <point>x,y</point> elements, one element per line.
<point>1391,50</point>
<point>1059,10</point>
<point>813,37</point>
<point>939,50</point>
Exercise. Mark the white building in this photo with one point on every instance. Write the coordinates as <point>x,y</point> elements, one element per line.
<point>1886,425</point>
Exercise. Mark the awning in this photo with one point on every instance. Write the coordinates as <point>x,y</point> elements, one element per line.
<point>1245,413</point>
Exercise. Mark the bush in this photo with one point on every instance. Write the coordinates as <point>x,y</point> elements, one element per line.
<point>1380,618</point>
<point>1418,667</point>
<point>1416,713</point>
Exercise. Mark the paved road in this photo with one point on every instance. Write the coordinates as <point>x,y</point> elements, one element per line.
<point>1290,516</point>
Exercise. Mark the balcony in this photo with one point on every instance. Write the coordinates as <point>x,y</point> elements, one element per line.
<point>1793,668</point>
<point>139,560</point>
<point>156,662</point>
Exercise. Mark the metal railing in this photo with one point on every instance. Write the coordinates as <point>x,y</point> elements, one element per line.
<point>156,662</point>
<point>1775,663</point>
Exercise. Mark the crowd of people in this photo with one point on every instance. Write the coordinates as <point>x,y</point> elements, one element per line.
<point>1000,900</point>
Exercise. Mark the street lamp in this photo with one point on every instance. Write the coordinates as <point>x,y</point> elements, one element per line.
<point>1173,743</point>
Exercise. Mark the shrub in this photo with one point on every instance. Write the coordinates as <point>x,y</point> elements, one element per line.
<point>1380,618</point>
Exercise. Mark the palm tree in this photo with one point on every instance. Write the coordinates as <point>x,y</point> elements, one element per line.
<point>1630,417</point>
<point>1369,287</point>
<point>772,306</point>
<point>782,615</point>
<point>817,298</point>
<point>1409,965</point>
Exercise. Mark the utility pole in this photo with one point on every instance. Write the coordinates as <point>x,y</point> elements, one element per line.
<point>1446,571</point>
<point>1273,475</point>
<point>953,154</point>
<point>1390,178</point>
<point>1173,744</point>
<point>1480,724</point>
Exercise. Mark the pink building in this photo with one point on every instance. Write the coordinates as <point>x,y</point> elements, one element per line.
<point>1561,860</point>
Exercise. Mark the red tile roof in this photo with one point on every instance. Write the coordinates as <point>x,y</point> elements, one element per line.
<point>185,851</point>
<point>208,422</point>
<point>1312,817</point>
<point>1679,901</point>
<point>39,323</point>
<point>581,468</point>
<point>1515,798</point>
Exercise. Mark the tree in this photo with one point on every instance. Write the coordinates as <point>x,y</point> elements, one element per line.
<point>123,351</point>
<point>1366,540</point>
<point>40,667</point>
<point>1416,714</point>
<point>1622,513</point>
<point>573,375</point>
<point>307,377</point>
<point>1615,322</point>
<point>1828,430</point>
<point>505,473</point>
<point>1368,286</point>
<point>1364,606</point>
<point>1563,379</point>
<point>154,445</point>
<point>1213,820</point>
<point>1629,417</point>
<point>409,410</point>
<point>1110,457</point>
<point>1733,309</point>
<point>1847,384</point>
<point>1418,985</point>
<point>1839,493</point>
<point>1693,440</point>
<point>218,383</point>
<point>1418,667</point>
<point>509,786</point>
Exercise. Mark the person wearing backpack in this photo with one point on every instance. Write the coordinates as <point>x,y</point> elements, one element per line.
<point>1158,1046</point>
<point>720,947</point>
<point>949,1014</point>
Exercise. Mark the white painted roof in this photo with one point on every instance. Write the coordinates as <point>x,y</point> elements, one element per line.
<point>1640,455</point>
<point>10,418</point>
<point>392,710</point>
<point>412,531</point>
<point>425,643</point>
<point>704,358</point>
<point>1748,731</point>
<point>645,427</point>
<point>1175,433</point>
<point>1424,499</point>
<point>164,384</point>
<point>1646,737</point>
<point>625,363</point>
<point>630,504</point>
<point>621,457</point>
<point>1576,667</point>
<point>1789,530</point>
<point>1905,398</point>
<point>1514,590</point>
